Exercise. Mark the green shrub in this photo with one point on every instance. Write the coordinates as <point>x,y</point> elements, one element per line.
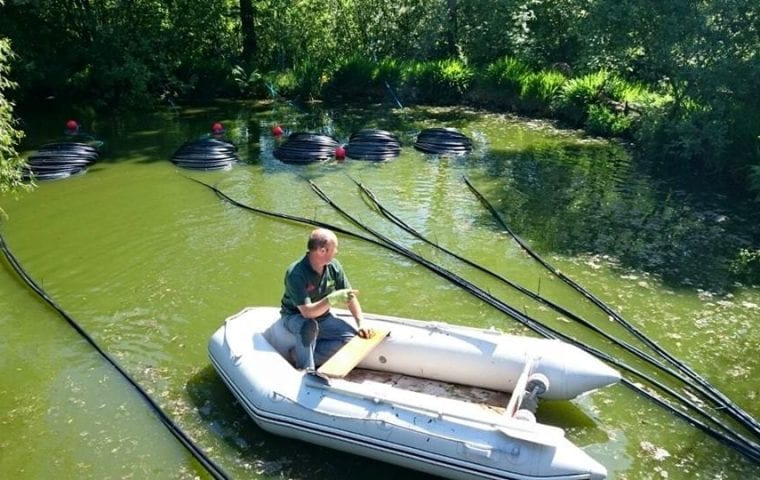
<point>578,94</point>
<point>505,77</point>
<point>310,77</point>
<point>454,77</point>
<point>746,266</point>
<point>539,90</point>
<point>10,134</point>
<point>604,122</point>
<point>250,84</point>
<point>437,82</point>
<point>356,78</point>
<point>390,71</point>
<point>688,137</point>
<point>281,83</point>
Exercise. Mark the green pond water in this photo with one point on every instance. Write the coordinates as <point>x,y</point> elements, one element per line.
<point>150,263</point>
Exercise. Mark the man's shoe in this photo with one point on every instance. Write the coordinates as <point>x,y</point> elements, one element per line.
<point>314,375</point>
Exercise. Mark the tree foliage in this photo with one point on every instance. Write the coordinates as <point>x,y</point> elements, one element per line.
<point>702,56</point>
<point>10,135</point>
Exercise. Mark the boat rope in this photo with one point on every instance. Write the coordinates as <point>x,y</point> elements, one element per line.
<point>716,395</point>
<point>213,469</point>
<point>677,374</point>
<point>725,434</point>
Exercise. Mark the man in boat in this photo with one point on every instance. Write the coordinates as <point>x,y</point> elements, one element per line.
<point>312,285</point>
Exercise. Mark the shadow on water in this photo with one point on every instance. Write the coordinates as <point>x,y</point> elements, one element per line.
<point>589,199</point>
<point>269,455</point>
<point>570,417</point>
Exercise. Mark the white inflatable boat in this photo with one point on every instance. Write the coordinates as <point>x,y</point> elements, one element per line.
<point>430,396</point>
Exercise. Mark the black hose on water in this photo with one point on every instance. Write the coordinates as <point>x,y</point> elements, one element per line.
<point>534,296</point>
<point>212,468</point>
<point>727,437</point>
<point>630,348</point>
<point>716,395</point>
<point>738,441</point>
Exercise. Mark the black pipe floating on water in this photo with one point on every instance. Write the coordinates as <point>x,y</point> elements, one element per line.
<point>211,467</point>
<point>206,154</point>
<point>373,144</point>
<point>699,383</point>
<point>305,147</point>
<point>709,393</point>
<point>59,160</point>
<point>530,294</point>
<point>443,141</point>
<point>727,436</point>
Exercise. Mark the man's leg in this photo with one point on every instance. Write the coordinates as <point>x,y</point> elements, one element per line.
<point>333,333</point>
<point>305,331</point>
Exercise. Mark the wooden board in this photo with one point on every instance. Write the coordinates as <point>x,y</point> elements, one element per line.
<point>340,364</point>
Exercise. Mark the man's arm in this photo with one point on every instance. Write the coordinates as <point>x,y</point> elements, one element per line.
<point>356,310</point>
<point>320,307</point>
<point>314,310</point>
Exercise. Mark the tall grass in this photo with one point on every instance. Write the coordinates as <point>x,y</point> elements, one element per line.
<point>578,94</point>
<point>361,79</point>
<point>507,75</point>
<point>355,79</point>
<point>310,77</point>
<point>437,82</point>
<point>540,90</point>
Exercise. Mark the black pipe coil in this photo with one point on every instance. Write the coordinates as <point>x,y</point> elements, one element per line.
<point>206,154</point>
<point>59,160</point>
<point>305,147</point>
<point>373,144</point>
<point>443,141</point>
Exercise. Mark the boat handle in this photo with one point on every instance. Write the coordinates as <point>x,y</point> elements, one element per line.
<point>236,356</point>
<point>472,450</point>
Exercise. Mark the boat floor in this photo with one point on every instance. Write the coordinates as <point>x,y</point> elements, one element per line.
<point>488,399</point>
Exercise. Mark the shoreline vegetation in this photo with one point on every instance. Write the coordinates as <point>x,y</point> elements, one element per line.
<point>675,80</point>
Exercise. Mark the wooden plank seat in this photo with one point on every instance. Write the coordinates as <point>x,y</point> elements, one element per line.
<point>349,356</point>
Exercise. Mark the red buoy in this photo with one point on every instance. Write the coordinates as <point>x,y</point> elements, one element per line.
<point>340,153</point>
<point>217,128</point>
<point>72,126</point>
<point>277,130</point>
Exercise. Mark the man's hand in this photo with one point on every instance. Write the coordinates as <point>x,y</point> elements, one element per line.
<point>344,295</point>
<point>366,333</point>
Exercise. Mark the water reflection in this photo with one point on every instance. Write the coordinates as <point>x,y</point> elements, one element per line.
<point>587,198</point>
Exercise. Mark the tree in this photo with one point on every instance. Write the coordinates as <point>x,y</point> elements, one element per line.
<point>451,36</point>
<point>248,31</point>
<point>10,162</point>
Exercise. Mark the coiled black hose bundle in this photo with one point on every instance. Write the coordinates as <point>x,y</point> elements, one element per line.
<point>443,141</point>
<point>206,154</point>
<point>305,147</point>
<point>59,160</point>
<point>373,144</point>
